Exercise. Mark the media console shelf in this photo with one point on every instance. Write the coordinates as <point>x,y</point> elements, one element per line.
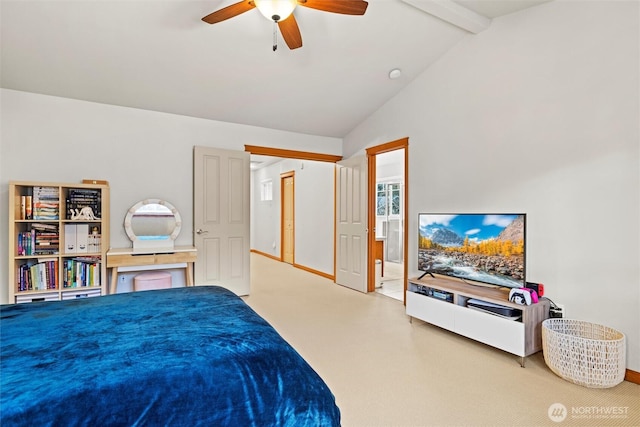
<point>518,332</point>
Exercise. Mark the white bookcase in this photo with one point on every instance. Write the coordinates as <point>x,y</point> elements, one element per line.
<point>520,335</point>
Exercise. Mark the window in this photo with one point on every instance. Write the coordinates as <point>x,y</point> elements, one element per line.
<point>388,199</point>
<point>266,190</point>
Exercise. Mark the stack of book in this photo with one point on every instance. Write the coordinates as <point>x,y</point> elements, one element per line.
<point>41,239</point>
<point>26,206</point>
<point>26,242</point>
<point>39,276</point>
<point>46,203</point>
<point>81,272</point>
<point>78,198</point>
<point>46,239</point>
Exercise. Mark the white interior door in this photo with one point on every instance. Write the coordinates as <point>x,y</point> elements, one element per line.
<point>221,221</point>
<point>351,223</point>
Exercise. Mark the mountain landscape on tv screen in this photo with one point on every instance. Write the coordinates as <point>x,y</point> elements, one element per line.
<point>484,248</point>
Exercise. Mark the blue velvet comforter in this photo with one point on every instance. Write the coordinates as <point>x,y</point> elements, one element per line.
<point>176,357</point>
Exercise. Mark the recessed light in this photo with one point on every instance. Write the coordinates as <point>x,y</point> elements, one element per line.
<point>395,73</point>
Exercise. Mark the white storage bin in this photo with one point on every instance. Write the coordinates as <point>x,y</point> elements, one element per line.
<point>584,353</point>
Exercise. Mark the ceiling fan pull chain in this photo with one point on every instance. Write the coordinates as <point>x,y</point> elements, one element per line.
<point>275,35</point>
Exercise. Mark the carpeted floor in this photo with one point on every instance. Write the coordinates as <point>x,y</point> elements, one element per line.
<point>386,371</point>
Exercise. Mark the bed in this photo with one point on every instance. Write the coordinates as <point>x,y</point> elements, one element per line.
<point>177,357</point>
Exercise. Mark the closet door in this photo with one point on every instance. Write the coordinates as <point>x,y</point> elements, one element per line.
<point>288,217</point>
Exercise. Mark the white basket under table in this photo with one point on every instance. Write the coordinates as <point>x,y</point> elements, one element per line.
<point>584,353</point>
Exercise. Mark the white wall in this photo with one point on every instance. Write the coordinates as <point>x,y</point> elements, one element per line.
<point>539,114</point>
<point>314,212</point>
<point>142,154</point>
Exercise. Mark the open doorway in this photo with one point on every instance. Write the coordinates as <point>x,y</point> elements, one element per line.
<point>292,208</point>
<point>313,259</point>
<point>387,214</point>
<point>389,221</point>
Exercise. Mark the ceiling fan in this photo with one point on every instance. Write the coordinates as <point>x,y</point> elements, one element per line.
<point>281,13</point>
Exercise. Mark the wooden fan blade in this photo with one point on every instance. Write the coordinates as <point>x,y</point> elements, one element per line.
<point>347,7</point>
<point>290,32</point>
<point>229,12</point>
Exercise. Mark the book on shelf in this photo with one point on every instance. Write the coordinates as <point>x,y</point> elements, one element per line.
<point>23,207</point>
<point>26,204</point>
<point>24,243</point>
<point>23,277</point>
<point>46,203</point>
<point>79,198</point>
<point>40,239</point>
<point>46,239</point>
<point>81,272</point>
<point>28,207</point>
<point>38,276</point>
<point>44,226</point>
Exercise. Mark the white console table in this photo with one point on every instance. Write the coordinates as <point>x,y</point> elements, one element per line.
<point>129,259</point>
<point>521,337</point>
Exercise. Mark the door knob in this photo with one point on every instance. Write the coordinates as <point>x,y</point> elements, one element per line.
<point>201,231</point>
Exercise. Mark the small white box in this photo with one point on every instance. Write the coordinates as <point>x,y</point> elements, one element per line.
<point>85,293</point>
<point>21,299</point>
<point>82,238</point>
<point>70,244</point>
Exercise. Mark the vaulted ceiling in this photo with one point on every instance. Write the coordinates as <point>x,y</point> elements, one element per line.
<point>159,55</point>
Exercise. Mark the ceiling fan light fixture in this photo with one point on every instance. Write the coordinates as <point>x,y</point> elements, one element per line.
<point>276,10</point>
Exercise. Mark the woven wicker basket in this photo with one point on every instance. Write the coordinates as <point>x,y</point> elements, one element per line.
<point>584,353</point>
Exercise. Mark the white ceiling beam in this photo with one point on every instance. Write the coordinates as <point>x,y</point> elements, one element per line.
<point>453,13</point>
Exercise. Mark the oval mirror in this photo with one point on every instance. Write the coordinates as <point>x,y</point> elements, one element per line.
<point>152,223</point>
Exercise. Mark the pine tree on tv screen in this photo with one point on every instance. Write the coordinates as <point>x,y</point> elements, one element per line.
<point>488,248</point>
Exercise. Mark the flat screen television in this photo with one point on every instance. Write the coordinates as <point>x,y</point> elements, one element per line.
<point>487,248</point>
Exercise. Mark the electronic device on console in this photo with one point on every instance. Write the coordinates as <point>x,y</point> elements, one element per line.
<point>538,287</point>
<point>523,296</point>
<point>496,309</point>
<point>434,293</point>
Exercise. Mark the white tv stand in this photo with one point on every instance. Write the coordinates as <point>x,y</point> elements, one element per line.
<point>521,336</point>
